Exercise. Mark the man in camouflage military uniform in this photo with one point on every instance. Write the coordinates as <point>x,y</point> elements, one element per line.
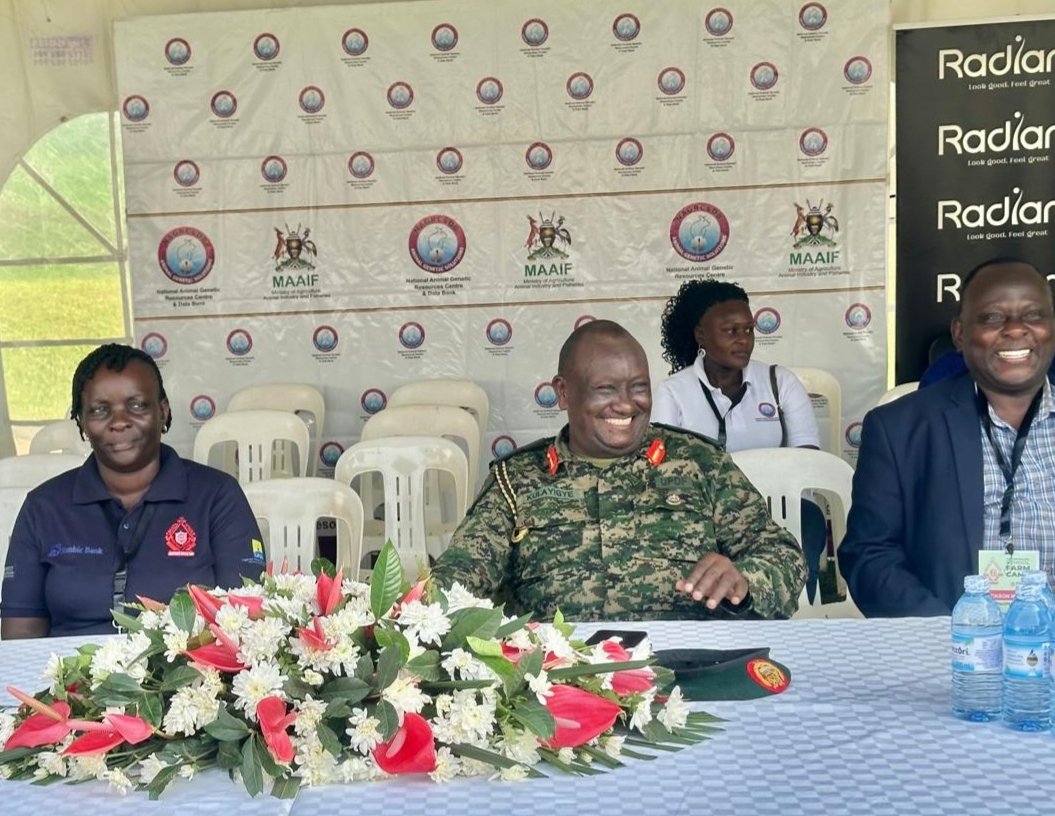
<point>610,519</point>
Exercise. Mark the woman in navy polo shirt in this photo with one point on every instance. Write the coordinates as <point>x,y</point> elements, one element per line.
<point>135,519</point>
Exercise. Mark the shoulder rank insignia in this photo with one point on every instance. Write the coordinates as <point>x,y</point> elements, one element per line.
<point>552,459</point>
<point>656,452</point>
<point>674,500</point>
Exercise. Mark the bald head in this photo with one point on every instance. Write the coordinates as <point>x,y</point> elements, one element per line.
<point>588,333</point>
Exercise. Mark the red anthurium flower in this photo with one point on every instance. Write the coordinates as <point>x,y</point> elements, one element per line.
<point>411,749</point>
<point>205,603</point>
<point>630,681</point>
<point>413,594</point>
<point>314,637</point>
<point>271,711</point>
<point>151,604</point>
<point>328,592</point>
<point>94,742</point>
<point>253,603</point>
<point>221,655</point>
<point>46,727</point>
<point>579,715</point>
<point>133,730</point>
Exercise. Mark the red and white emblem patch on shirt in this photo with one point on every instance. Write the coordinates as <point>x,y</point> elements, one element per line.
<point>181,539</point>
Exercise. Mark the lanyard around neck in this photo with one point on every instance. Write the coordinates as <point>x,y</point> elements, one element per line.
<point>735,399</point>
<point>1008,469</point>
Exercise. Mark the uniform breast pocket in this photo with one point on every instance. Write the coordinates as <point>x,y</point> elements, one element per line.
<point>671,528</point>
<point>555,539</point>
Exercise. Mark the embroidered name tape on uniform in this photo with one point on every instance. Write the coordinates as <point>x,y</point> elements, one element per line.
<point>554,492</point>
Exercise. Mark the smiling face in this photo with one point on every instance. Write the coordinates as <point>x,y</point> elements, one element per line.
<point>608,396</point>
<point>726,332</point>
<point>1006,329</point>
<point>122,416</point>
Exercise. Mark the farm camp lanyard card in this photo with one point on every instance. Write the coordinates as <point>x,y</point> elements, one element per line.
<point>1003,569</point>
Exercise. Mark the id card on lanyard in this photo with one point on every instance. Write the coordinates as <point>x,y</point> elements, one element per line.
<point>126,553</point>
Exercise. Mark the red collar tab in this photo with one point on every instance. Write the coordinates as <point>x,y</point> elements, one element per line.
<point>552,460</point>
<point>656,452</point>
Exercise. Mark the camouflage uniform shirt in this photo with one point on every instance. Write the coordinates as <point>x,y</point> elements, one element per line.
<point>609,542</point>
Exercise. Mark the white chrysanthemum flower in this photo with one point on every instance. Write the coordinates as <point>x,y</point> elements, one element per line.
<point>52,674</point>
<point>118,780</point>
<point>88,766</point>
<point>642,715</point>
<point>473,767</point>
<point>365,731</point>
<point>354,615</point>
<point>312,677</point>
<point>188,771</point>
<point>566,755</point>
<point>315,765</point>
<point>447,766</point>
<point>53,762</point>
<point>676,712</point>
<point>613,745</point>
<point>521,747</point>
<point>424,622</point>
<point>175,643</point>
<point>149,619</point>
<point>254,684</point>
<point>190,709</point>
<point>465,717</point>
<point>261,639</point>
<point>300,586</point>
<point>458,597</point>
<point>521,639</point>
<point>515,773</point>
<point>358,769</point>
<point>295,611</point>
<point>352,588</point>
<point>120,656</point>
<point>211,684</point>
<point>404,694</point>
<point>463,665</point>
<point>309,715</point>
<point>149,767</point>
<point>7,727</point>
<point>553,641</point>
<point>540,685</point>
<point>231,618</point>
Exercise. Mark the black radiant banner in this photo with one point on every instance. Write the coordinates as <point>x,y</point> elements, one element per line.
<point>975,171</point>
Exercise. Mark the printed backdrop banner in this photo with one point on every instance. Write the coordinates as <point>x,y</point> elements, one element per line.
<point>361,196</point>
<point>975,173</point>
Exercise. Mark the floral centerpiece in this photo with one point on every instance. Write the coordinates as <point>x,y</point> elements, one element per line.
<point>307,680</point>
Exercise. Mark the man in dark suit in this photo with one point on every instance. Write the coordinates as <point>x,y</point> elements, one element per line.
<point>937,479</point>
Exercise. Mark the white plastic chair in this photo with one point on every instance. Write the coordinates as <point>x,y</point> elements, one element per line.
<point>781,475</point>
<point>255,433</point>
<point>403,462</point>
<point>32,469</point>
<point>11,499</point>
<point>292,397</point>
<point>429,420</point>
<point>897,392</point>
<point>820,383</point>
<point>457,393</point>
<point>291,509</point>
<point>60,437</point>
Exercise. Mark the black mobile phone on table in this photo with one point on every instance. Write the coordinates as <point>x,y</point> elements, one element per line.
<point>628,638</point>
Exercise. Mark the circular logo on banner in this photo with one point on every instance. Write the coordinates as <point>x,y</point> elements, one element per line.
<point>858,70</point>
<point>538,156</point>
<point>720,147</point>
<point>534,32</point>
<point>177,51</point>
<point>361,165</point>
<point>718,22</point>
<point>503,446</point>
<point>239,342</point>
<point>767,320</point>
<point>411,335</point>
<point>699,231</point>
<point>266,47</point>
<point>629,151</point>
<point>626,27</point>
<point>489,90</point>
<point>813,16</point>
<point>579,85</point>
<point>764,75</point>
<point>582,320</point>
<point>767,675</point>
<point>325,338</point>
<point>312,99</point>
<point>273,169</point>
<point>813,141</point>
<point>202,407</point>
<point>185,255</point>
<point>767,409</point>
<point>449,160</point>
<point>499,332</point>
<point>186,173</point>
<point>135,108</point>
<point>223,104</point>
<point>329,453</point>
<point>546,395</point>
<point>853,434</point>
<point>437,243</point>
<point>355,42</point>
<point>444,37</point>
<point>400,95</point>
<point>155,345</point>
<point>858,316</point>
<point>373,400</point>
<point>671,81</point>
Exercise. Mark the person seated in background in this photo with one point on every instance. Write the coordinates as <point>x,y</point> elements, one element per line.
<point>708,336</point>
<point>619,519</point>
<point>134,520</point>
<point>964,465</point>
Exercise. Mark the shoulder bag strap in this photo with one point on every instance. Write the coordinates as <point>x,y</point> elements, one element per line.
<point>780,411</point>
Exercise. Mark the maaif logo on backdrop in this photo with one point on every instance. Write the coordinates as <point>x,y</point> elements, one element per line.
<point>579,85</point>
<point>449,160</point>
<point>699,231</point>
<point>671,80</point>
<point>185,255</point>
<point>325,339</point>
<point>538,156</point>
<point>853,434</point>
<point>400,95</point>
<point>186,173</point>
<point>721,146</point>
<point>544,235</point>
<point>767,320</point>
<point>273,169</point>
<point>437,243</point>
<point>135,108</point>
<point>858,70</point>
<point>355,42</point>
<point>202,407</point>
<point>239,342</point>
<point>858,316</point>
<point>813,142</point>
<point>629,151</point>
<point>444,37</point>
<point>546,395</point>
<point>503,446</point>
<point>266,47</point>
<point>534,32</point>
<point>177,51</point>
<point>499,332</point>
<point>626,27</point>
<point>330,452</point>
<point>718,22</point>
<point>312,99</point>
<point>292,250</point>
<point>411,335</point>
<point>764,75</point>
<point>813,16</point>
<point>811,222</point>
<point>155,345</point>
<point>223,104</point>
<point>489,90</point>
<point>767,410</point>
<point>361,165</point>
<point>373,400</point>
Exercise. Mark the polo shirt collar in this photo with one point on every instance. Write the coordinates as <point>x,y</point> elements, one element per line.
<point>701,375</point>
<point>169,485</point>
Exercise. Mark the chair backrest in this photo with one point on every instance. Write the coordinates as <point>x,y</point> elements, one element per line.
<point>254,434</point>
<point>291,509</point>
<point>402,462</point>
<point>34,468</point>
<point>11,499</point>
<point>782,475</point>
<point>429,420</point>
<point>897,392</point>
<point>292,397</point>
<point>458,393</point>
<point>821,383</point>
<point>60,437</point>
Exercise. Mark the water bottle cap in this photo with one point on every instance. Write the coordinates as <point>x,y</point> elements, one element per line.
<point>975,583</point>
<point>1038,577</point>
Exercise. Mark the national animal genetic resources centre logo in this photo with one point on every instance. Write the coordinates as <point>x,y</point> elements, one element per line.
<point>545,395</point>
<point>373,400</point>
<point>177,51</point>
<point>437,243</point>
<point>239,342</point>
<point>699,231</point>
<point>767,320</point>
<point>154,344</point>
<point>186,255</point>
<point>411,335</point>
<point>499,331</point>
<point>202,408</point>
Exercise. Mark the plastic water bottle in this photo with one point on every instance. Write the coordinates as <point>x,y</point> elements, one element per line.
<point>1027,628</point>
<point>976,653</point>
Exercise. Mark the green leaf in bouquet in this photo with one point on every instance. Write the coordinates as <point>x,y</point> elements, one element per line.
<point>515,625</point>
<point>286,788</point>
<point>506,671</point>
<point>388,718</point>
<point>576,767</point>
<point>181,608</point>
<point>267,762</point>
<point>323,566</point>
<point>179,676</point>
<point>593,669</point>
<point>565,629</point>
<point>387,635</point>
<point>118,690</point>
<point>475,622</point>
<point>364,668</point>
<point>337,710</point>
<point>426,666</point>
<point>297,689</point>
<point>345,689</point>
<point>444,685</point>
<point>389,662</point>
<point>161,780</point>
<point>386,582</point>
<point>535,717</point>
<point>491,758</point>
<point>229,755</point>
<point>531,662</point>
<point>16,754</point>
<point>329,740</point>
<point>600,756</point>
<point>252,772</point>
<point>226,726</point>
<point>484,648</point>
<point>152,709</point>
<point>129,623</point>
